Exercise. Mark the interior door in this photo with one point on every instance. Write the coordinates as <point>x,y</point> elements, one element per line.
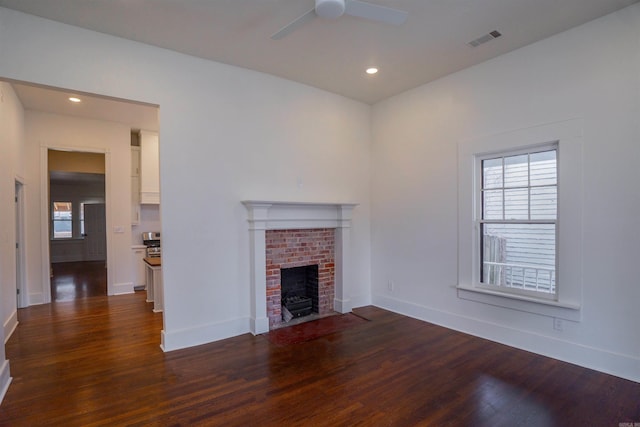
<point>95,236</point>
<point>19,205</point>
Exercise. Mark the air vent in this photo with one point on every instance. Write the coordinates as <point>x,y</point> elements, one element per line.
<point>483,39</point>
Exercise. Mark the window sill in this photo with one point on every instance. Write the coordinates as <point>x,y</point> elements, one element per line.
<point>561,309</point>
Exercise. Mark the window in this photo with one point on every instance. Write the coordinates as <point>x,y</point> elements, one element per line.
<point>82,205</point>
<point>518,195</point>
<point>476,281</point>
<point>62,219</point>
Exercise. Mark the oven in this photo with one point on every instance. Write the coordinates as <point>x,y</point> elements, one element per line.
<point>151,239</point>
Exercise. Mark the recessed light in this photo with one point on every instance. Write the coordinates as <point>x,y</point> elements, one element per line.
<point>74,99</point>
<point>372,70</point>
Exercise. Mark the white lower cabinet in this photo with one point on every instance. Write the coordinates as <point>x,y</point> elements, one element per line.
<point>139,273</point>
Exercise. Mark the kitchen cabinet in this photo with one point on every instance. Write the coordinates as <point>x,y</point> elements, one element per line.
<point>135,161</point>
<point>135,185</point>
<point>139,273</point>
<point>155,291</point>
<point>149,167</point>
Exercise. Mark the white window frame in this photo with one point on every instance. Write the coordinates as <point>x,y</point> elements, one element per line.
<point>479,220</point>
<point>568,137</point>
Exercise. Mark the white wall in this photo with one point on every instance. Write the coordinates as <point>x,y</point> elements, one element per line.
<point>149,221</point>
<point>43,131</point>
<point>227,134</point>
<point>590,73</point>
<point>11,161</point>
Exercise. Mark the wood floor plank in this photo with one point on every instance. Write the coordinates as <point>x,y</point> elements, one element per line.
<point>97,361</point>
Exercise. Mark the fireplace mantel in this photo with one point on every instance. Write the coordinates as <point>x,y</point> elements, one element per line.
<point>280,215</point>
<point>267,215</point>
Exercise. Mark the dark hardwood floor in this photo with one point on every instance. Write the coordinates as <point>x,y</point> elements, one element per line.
<point>97,361</point>
<point>74,280</point>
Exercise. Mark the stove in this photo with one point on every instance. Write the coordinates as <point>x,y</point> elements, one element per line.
<point>151,239</point>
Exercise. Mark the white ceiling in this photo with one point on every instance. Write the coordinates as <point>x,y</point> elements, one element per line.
<point>51,100</point>
<point>330,54</point>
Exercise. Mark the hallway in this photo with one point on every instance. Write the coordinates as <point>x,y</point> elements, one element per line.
<point>77,280</point>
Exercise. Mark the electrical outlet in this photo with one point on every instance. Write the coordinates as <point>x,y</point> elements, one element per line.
<point>557,324</point>
<point>390,286</point>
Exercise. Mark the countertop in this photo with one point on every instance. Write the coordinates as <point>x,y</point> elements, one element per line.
<point>153,262</point>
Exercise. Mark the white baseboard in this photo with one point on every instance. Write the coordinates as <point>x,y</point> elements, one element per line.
<point>175,340</point>
<point>259,326</point>
<point>360,301</point>
<point>620,365</point>
<point>5,379</point>
<point>10,325</point>
<point>342,306</point>
<point>123,288</point>
<point>36,298</point>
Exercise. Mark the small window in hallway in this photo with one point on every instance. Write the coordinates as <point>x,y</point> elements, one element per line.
<point>62,219</point>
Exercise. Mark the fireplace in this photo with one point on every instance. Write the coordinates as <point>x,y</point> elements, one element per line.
<point>299,291</point>
<point>334,274</point>
<point>299,263</point>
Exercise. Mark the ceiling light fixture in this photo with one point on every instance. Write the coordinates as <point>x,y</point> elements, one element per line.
<point>372,70</point>
<point>74,99</point>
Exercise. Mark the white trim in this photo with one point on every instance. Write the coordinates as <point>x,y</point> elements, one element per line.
<point>570,205</point>
<point>123,288</point>
<point>21,272</point>
<point>533,305</point>
<point>10,325</point>
<point>621,365</point>
<point>203,334</point>
<point>278,215</point>
<point>5,379</point>
<point>480,222</point>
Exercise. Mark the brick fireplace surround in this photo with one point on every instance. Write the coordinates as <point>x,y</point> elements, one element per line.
<point>308,224</point>
<point>299,248</point>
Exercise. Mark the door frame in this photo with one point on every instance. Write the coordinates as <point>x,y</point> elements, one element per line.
<point>45,202</point>
<point>21,290</point>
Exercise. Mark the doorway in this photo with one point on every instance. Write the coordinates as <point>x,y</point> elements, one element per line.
<point>77,224</point>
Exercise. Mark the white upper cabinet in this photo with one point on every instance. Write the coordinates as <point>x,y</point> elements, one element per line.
<point>135,185</point>
<point>149,168</point>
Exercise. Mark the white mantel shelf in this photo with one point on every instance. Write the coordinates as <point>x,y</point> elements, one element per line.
<point>281,215</point>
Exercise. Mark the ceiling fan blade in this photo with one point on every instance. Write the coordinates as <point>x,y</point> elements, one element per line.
<point>289,28</point>
<point>376,12</point>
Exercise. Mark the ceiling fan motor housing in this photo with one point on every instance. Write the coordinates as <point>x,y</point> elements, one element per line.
<point>330,8</point>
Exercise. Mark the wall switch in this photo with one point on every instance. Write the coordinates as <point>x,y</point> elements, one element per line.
<point>557,324</point>
<point>390,286</point>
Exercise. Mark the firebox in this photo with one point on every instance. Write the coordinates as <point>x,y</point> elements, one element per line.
<point>299,290</point>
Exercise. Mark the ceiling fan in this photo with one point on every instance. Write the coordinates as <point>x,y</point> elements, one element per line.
<point>337,8</point>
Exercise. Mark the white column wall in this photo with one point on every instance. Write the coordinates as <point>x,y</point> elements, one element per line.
<point>11,167</point>
<point>590,73</point>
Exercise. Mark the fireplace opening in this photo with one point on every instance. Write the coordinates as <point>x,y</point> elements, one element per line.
<point>299,291</point>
